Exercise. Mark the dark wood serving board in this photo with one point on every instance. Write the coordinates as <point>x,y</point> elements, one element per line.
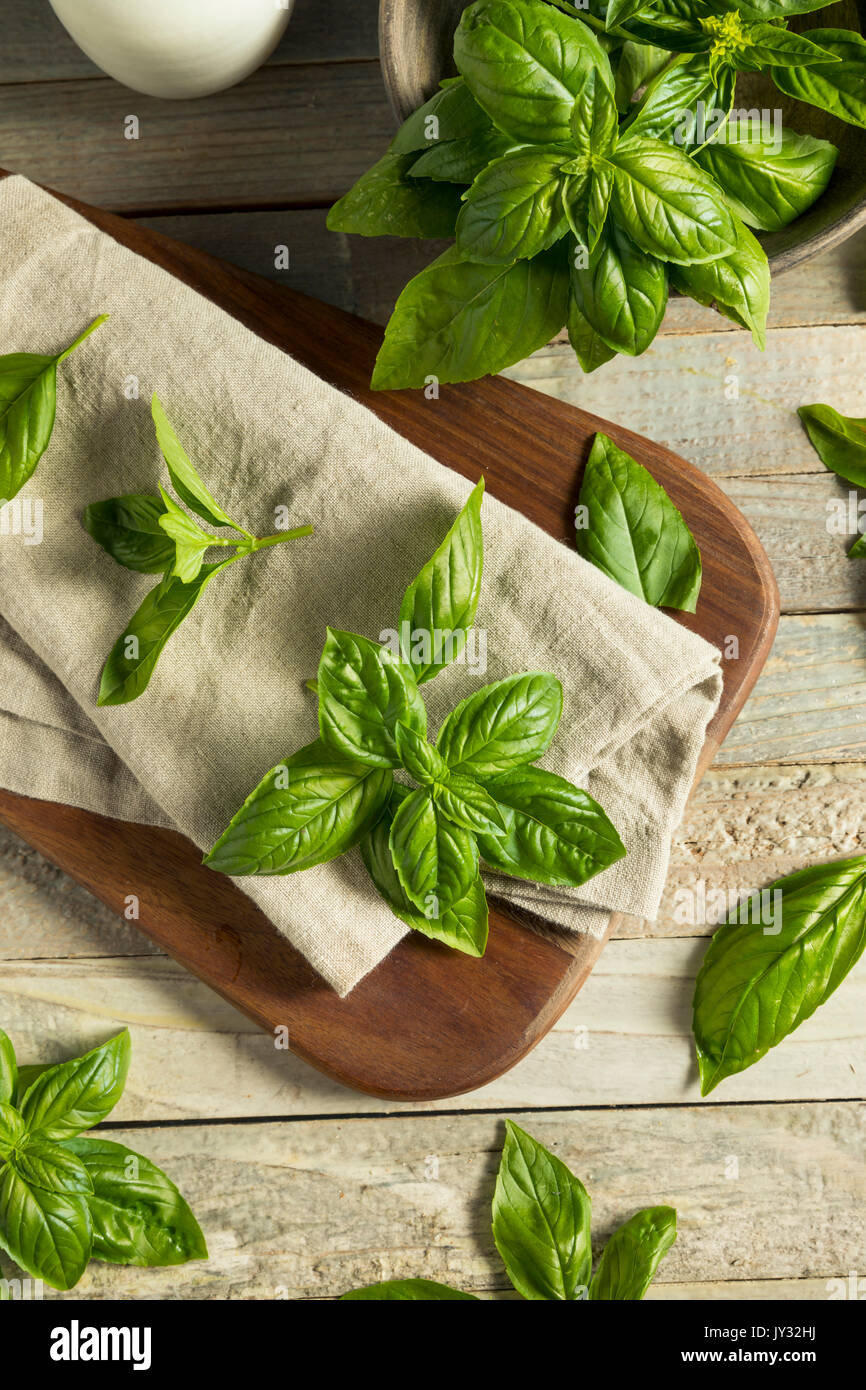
<point>427,1022</point>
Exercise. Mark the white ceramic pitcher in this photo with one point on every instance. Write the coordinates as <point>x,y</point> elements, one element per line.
<point>176,48</point>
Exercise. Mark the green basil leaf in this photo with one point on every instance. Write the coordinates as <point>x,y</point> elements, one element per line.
<point>8,1069</point>
<point>131,661</point>
<point>590,349</point>
<point>47,1233</point>
<point>839,441</point>
<point>420,759</point>
<point>669,206</point>
<point>593,121</point>
<point>128,529</point>
<point>406,1290</point>
<point>858,549</point>
<point>12,1129</point>
<point>775,9</point>
<point>618,11</point>
<point>672,95</point>
<point>138,1215</point>
<point>769,46</point>
<point>770,188</point>
<point>46,1165</point>
<point>738,285</point>
<point>185,480</point>
<point>541,1217</point>
<point>451,114</point>
<point>838,87</point>
<point>670,32</point>
<point>555,833</point>
<point>636,64</point>
<point>308,809</point>
<point>439,607</point>
<point>755,986</point>
<point>364,690</point>
<point>458,320</point>
<point>28,402</point>
<point>622,292</point>
<point>502,725</point>
<point>514,208</point>
<point>633,1254</point>
<point>27,1075</point>
<point>190,541</point>
<point>387,202</point>
<point>600,193</point>
<point>524,62</point>
<point>436,861</point>
<point>465,802</point>
<point>575,199</point>
<point>463,926</point>
<point>73,1096</point>
<point>634,533</point>
<point>461,161</point>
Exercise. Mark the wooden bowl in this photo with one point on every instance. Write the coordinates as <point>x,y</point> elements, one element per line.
<point>416,43</point>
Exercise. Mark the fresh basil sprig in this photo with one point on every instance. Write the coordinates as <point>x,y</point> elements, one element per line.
<point>541,1226</point>
<point>629,528</point>
<point>66,1197</point>
<point>759,981</point>
<point>150,533</point>
<point>477,795</point>
<point>28,403</point>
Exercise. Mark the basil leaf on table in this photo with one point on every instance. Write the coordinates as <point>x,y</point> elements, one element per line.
<point>462,926</point>
<point>634,533</point>
<point>47,1233</point>
<point>364,690</point>
<point>838,87</point>
<point>622,292</point>
<point>541,1220</point>
<point>514,208</point>
<point>420,759</point>
<point>185,480</point>
<point>524,65</point>
<point>441,603</point>
<point>755,987</point>
<point>73,1096</point>
<point>137,1214</point>
<point>28,403</point>
<point>502,725</point>
<point>387,202</point>
<point>769,188</point>
<point>161,613</point>
<point>406,1291</point>
<point>48,1166</point>
<point>465,802</point>
<point>668,205</point>
<point>436,860</point>
<point>633,1254</point>
<point>8,1070</point>
<point>738,285</point>
<point>308,809</point>
<point>839,441</point>
<point>128,529</point>
<point>458,320</point>
<point>555,833</point>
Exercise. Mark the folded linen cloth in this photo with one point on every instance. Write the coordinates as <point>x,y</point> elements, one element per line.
<point>227,700</point>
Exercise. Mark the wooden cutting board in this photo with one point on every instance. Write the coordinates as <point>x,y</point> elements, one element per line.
<point>427,1022</point>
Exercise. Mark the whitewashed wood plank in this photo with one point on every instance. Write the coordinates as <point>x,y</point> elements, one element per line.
<point>625,1040</point>
<point>314,1208</point>
<point>676,393</point>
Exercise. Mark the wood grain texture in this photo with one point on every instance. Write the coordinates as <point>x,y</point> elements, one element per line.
<point>310,1210</point>
<point>197,1058</point>
<point>426,1022</point>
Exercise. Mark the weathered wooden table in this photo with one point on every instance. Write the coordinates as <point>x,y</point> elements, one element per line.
<point>305,1189</point>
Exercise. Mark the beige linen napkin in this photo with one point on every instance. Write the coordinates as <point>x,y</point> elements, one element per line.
<point>227,700</point>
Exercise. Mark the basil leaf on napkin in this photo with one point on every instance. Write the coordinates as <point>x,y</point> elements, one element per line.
<point>128,529</point>
<point>465,802</point>
<point>28,402</point>
<point>554,832</point>
<point>76,1095</point>
<point>305,811</point>
<point>185,480</point>
<point>759,981</point>
<point>137,1214</point>
<point>502,725</point>
<point>541,1219</point>
<point>633,531</point>
<point>838,440</point>
<point>364,691</point>
<point>632,1255</point>
<point>436,860</point>
<point>439,607</point>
